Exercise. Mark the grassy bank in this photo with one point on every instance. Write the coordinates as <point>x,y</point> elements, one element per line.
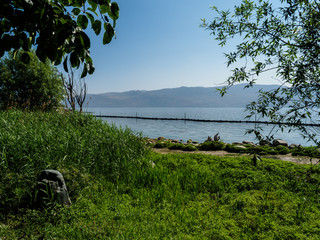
<point>120,190</point>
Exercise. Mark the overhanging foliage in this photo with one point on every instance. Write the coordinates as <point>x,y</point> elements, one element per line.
<point>56,28</point>
<point>286,38</point>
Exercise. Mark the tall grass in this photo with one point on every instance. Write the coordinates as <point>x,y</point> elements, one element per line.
<point>33,141</point>
<point>120,192</point>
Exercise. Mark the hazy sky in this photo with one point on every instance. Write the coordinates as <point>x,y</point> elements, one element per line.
<point>159,44</point>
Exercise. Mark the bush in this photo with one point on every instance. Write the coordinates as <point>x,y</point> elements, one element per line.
<point>282,149</point>
<point>235,149</point>
<point>34,85</point>
<point>189,147</point>
<point>163,144</point>
<point>311,151</point>
<point>215,145</point>
<point>177,146</point>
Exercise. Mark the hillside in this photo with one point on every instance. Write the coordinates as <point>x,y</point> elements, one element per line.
<point>237,96</point>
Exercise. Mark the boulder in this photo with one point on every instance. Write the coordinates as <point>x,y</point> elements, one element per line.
<point>280,142</point>
<point>249,143</point>
<point>52,187</point>
<point>264,142</point>
<point>240,147</point>
<point>161,138</point>
<point>292,146</point>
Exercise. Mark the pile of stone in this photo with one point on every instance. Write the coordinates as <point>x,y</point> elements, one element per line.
<point>274,143</point>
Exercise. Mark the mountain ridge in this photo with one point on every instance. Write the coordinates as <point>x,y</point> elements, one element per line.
<point>236,96</point>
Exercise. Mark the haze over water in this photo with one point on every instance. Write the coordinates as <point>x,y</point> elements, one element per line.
<point>197,131</point>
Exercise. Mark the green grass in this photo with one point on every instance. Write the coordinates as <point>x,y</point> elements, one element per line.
<point>72,143</point>
<point>174,196</point>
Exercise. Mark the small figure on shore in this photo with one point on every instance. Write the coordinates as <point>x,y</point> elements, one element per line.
<point>216,137</point>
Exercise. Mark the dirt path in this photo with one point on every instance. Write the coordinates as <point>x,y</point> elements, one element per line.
<point>287,157</point>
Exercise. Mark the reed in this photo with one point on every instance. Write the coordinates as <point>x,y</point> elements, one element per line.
<point>33,141</point>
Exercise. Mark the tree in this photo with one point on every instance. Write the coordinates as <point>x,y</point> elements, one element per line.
<point>285,38</point>
<point>56,28</point>
<point>75,89</point>
<point>33,85</point>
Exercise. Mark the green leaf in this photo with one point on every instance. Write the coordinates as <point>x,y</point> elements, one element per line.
<point>104,9</point>
<point>85,71</point>
<point>82,21</point>
<point>89,15</point>
<point>96,26</point>
<point>65,64</point>
<point>109,33</point>
<point>76,11</point>
<point>84,39</point>
<point>59,57</point>
<point>91,68</point>
<point>74,60</point>
<point>93,5</point>
<point>114,11</point>
<point>77,3</point>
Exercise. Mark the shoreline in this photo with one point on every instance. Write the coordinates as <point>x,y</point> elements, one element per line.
<point>279,149</point>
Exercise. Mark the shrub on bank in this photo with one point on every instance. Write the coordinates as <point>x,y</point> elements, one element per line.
<point>183,147</point>
<point>311,151</point>
<point>209,145</point>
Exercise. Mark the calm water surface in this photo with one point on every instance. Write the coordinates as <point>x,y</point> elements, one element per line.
<point>197,131</point>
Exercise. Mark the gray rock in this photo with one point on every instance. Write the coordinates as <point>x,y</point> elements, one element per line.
<point>51,186</point>
<point>264,142</point>
<point>293,146</point>
<point>250,143</point>
<point>278,142</point>
<point>161,138</point>
<point>240,147</point>
<point>237,143</point>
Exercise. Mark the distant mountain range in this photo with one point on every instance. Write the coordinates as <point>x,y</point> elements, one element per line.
<point>236,96</point>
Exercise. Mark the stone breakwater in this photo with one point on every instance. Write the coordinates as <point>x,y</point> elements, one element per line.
<point>274,143</point>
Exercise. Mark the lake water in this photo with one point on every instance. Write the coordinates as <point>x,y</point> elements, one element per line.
<point>197,131</point>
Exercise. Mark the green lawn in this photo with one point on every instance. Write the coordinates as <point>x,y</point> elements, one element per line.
<point>121,190</point>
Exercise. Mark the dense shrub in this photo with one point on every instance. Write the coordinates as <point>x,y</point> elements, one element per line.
<point>163,144</point>
<point>311,151</point>
<point>282,149</point>
<point>215,145</point>
<point>189,147</point>
<point>235,148</point>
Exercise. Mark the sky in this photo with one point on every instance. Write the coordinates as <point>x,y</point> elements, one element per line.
<point>160,44</point>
